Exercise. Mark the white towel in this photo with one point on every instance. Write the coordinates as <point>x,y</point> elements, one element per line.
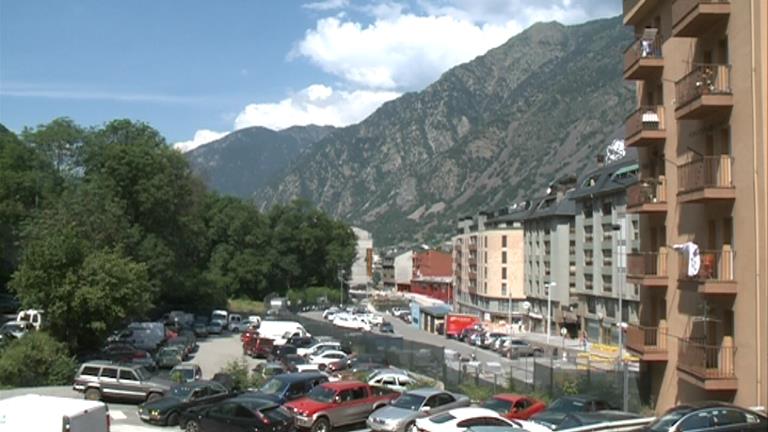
<point>694,258</point>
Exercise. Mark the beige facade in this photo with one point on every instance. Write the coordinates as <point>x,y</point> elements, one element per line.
<point>488,268</point>
<point>701,68</point>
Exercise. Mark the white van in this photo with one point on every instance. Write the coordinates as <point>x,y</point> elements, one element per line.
<point>236,323</point>
<point>280,331</point>
<point>220,315</point>
<point>38,413</point>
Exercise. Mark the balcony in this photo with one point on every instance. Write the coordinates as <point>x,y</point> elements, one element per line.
<point>650,343</point>
<point>706,179</point>
<point>643,59</point>
<point>636,10</point>
<point>472,261</point>
<point>473,246</point>
<point>704,92</point>
<point>695,18</point>
<point>648,196</point>
<point>648,269</point>
<point>472,275</point>
<point>646,126</point>
<point>709,367</point>
<point>715,273</point>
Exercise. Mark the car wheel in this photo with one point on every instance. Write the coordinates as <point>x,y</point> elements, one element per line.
<point>321,425</point>
<point>153,397</point>
<point>173,419</point>
<point>92,394</point>
<point>192,426</point>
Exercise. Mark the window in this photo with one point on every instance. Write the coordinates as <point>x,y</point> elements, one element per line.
<point>503,272</point>
<point>444,399</point>
<point>610,308</point>
<point>485,241</point>
<point>344,396</point>
<point>522,404</point>
<point>224,410</point>
<point>243,412</point>
<point>607,208</point>
<point>109,373</point>
<point>90,371</point>
<point>127,375</point>
<point>503,288</point>
<point>358,393</point>
<point>697,421</point>
<point>503,241</point>
<point>503,257</point>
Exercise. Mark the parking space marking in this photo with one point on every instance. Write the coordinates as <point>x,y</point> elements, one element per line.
<point>117,415</point>
<point>133,428</point>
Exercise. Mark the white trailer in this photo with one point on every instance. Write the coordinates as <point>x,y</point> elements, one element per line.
<point>280,331</point>
<point>38,413</point>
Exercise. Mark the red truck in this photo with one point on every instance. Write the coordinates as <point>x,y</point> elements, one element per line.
<point>339,403</point>
<point>455,323</point>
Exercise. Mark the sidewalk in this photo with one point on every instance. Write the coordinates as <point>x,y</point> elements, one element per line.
<point>596,353</point>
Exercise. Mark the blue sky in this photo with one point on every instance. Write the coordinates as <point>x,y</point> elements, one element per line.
<point>196,70</point>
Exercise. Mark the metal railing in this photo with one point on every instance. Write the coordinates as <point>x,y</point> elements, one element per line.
<point>645,118</point>
<point>713,265</point>
<point>705,172</point>
<point>641,264</point>
<point>703,79</point>
<point>681,8</point>
<point>706,361</point>
<point>647,338</point>
<point>642,48</point>
<point>647,191</point>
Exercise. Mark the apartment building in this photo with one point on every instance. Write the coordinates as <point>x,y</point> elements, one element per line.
<point>700,126</point>
<point>432,275</point>
<point>388,272</point>
<point>403,270</point>
<point>550,259</point>
<point>362,267</point>
<point>603,233</point>
<point>488,267</point>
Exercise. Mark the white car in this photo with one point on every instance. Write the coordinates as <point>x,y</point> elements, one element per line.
<point>394,379</point>
<point>346,321</point>
<point>460,419</point>
<point>330,313</point>
<point>328,356</point>
<point>375,319</point>
<point>318,347</point>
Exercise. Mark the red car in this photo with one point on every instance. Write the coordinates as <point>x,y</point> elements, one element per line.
<point>248,335</point>
<point>258,347</point>
<point>330,405</point>
<point>514,406</point>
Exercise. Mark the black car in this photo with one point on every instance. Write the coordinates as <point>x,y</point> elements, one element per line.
<point>292,360</point>
<point>166,411</point>
<point>560,408</point>
<point>707,415</point>
<point>287,387</point>
<point>280,351</point>
<point>240,414</point>
<point>579,419</point>
<point>301,341</point>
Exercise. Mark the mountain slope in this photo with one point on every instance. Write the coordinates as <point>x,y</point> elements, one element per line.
<point>246,159</point>
<point>487,133</point>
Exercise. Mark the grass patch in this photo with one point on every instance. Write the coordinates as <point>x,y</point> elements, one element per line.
<point>245,306</point>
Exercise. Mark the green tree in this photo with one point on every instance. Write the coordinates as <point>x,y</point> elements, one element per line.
<point>36,360</point>
<point>60,141</point>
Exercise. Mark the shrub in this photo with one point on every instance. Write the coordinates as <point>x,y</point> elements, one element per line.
<point>36,359</point>
<point>476,393</point>
<point>242,378</point>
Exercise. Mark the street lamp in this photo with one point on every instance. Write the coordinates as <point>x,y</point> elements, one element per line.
<point>341,287</point>
<point>549,286</point>
<point>621,249</point>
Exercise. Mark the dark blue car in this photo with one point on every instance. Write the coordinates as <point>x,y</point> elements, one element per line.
<point>287,387</point>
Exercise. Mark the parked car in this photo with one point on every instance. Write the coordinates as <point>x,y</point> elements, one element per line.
<point>490,338</point>
<point>238,414</point>
<point>270,369</point>
<point>278,352</point>
<point>200,329</point>
<point>386,327</point>
<point>215,327</point>
<point>128,354</point>
<point>460,419</point>
<point>293,361</point>
<point>288,387</point>
<point>495,429</point>
<point>331,405</point>
<point>364,364</point>
<point>258,347</point>
<point>579,419</point>
<point>167,410</point>
<point>326,357</point>
<point>560,408</point>
<point>186,372</point>
<point>516,348</point>
<point>513,406</point>
<point>401,414</point>
<point>709,415</point>
<point>318,347</point>
<point>34,412</point>
<point>300,341</point>
<point>102,379</point>
<point>394,379</point>
<point>169,356</point>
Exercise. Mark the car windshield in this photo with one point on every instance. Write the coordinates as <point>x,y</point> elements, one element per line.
<point>181,391</point>
<point>11,327</point>
<point>321,394</point>
<point>186,373</point>
<point>409,401</point>
<point>273,386</point>
<point>667,420</point>
<point>442,418</point>
<point>567,405</point>
<point>501,406</point>
<point>143,373</point>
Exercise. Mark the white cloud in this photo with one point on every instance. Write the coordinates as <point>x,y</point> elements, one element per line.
<point>202,136</point>
<point>316,104</point>
<point>326,5</point>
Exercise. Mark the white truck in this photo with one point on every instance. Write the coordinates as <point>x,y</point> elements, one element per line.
<point>32,412</point>
<point>280,331</point>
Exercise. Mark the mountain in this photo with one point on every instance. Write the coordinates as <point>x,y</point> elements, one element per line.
<point>486,134</point>
<point>242,161</point>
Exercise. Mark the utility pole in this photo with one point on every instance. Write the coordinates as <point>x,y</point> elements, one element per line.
<point>549,286</point>
<point>341,287</point>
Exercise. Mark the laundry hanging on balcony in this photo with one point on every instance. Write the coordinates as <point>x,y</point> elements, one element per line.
<point>691,250</point>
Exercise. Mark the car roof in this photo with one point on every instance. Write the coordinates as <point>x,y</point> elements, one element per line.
<point>494,429</point>
<point>510,397</point>
<point>472,412</point>
<point>426,392</point>
<point>187,366</point>
<point>254,403</point>
<point>343,385</point>
<point>300,376</point>
<point>198,384</point>
<point>603,415</point>
<point>582,398</point>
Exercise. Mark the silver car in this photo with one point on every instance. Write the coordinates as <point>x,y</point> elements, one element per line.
<point>401,414</point>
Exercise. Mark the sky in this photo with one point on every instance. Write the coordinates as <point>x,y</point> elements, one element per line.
<point>199,69</point>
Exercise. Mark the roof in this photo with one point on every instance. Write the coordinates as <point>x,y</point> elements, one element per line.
<point>425,392</point>
<point>607,179</point>
<point>343,385</point>
<point>436,311</point>
<point>197,384</point>
<point>600,416</point>
<point>52,404</point>
<point>510,397</point>
<point>254,403</point>
<point>299,376</point>
<point>471,412</point>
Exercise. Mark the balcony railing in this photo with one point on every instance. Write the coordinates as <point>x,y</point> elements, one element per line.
<point>692,18</point>
<point>648,340</point>
<point>645,118</point>
<point>643,59</point>
<point>707,362</point>
<point>705,172</point>
<point>713,266</point>
<point>647,264</point>
<point>647,191</point>
<point>703,79</point>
